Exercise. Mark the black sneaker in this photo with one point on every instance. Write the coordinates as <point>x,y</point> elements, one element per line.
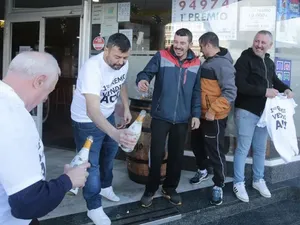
<point>199,177</point>
<point>147,199</point>
<point>172,196</point>
<point>217,196</point>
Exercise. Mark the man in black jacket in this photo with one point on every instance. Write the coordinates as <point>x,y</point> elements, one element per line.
<point>256,81</point>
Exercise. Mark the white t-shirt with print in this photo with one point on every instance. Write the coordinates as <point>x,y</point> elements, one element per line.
<point>278,118</point>
<point>98,78</point>
<point>21,152</point>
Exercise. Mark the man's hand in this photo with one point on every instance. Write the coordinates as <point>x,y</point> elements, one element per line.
<point>143,86</point>
<point>127,116</point>
<point>289,93</point>
<point>271,93</point>
<point>125,137</point>
<point>195,123</point>
<point>126,119</point>
<point>78,174</point>
<point>209,116</point>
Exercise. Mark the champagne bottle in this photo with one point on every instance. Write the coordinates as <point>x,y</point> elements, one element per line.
<point>81,157</point>
<point>136,129</point>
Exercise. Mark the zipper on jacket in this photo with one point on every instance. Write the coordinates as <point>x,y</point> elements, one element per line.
<point>266,73</point>
<point>177,94</point>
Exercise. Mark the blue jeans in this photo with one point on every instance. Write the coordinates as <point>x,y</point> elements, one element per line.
<point>248,133</point>
<point>101,158</point>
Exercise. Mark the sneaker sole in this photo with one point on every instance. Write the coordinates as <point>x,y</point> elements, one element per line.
<point>169,198</point>
<point>199,181</point>
<point>213,203</point>
<point>242,199</point>
<point>110,199</point>
<point>146,206</point>
<point>266,196</point>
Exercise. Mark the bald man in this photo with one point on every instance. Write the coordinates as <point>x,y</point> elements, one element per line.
<point>24,193</point>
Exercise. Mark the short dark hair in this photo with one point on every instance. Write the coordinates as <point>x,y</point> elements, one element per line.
<point>209,38</point>
<point>119,40</point>
<point>185,32</point>
<point>265,32</point>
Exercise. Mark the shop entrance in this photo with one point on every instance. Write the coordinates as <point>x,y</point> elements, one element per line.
<point>55,30</point>
<point>62,41</point>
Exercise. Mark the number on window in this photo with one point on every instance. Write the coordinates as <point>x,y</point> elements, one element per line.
<point>203,3</point>
<point>214,3</point>
<point>225,3</point>
<point>182,4</point>
<point>193,4</point>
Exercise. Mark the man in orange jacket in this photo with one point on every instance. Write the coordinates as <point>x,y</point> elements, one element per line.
<point>218,92</point>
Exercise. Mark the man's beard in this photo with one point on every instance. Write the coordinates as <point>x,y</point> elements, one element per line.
<point>116,67</point>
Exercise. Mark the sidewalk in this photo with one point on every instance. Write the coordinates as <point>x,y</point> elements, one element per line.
<point>127,190</point>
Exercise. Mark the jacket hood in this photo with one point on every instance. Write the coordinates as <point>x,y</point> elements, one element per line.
<point>250,52</point>
<point>224,53</point>
<point>220,56</point>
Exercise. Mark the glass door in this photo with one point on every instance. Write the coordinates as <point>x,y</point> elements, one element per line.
<point>26,36</point>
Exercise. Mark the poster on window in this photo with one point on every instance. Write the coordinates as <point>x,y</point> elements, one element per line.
<point>219,16</point>
<point>288,9</point>
<point>124,12</point>
<point>283,70</point>
<point>287,16</point>
<point>257,18</point>
<point>110,13</point>
<point>110,24</point>
<point>128,33</point>
<point>97,14</point>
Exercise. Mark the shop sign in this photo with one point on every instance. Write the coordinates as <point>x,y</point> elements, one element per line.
<point>257,18</point>
<point>98,43</point>
<point>219,16</point>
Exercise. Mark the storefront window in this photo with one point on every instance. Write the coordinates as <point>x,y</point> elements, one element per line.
<point>287,44</point>
<point>151,25</point>
<point>45,3</point>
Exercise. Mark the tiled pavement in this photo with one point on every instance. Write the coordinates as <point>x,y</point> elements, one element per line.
<point>126,189</point>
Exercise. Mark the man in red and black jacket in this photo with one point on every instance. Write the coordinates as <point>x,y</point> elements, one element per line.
<point>176,99</point>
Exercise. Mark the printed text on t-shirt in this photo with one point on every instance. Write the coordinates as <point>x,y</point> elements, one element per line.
<point>111,92</point>
<point>279,114</point>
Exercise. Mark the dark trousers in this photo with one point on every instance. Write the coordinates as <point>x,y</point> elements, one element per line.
<point>177,135</point>
<point>34,222</point>
<point>197,145</point>
<point>208,140</point>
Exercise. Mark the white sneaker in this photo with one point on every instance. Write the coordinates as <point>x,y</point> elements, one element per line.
<point>109,194</point>
<point>262,188</point>
<point>98,216</point>
<point>240,191</point>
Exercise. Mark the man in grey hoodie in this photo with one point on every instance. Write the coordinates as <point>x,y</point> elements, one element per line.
<point>218,92</point>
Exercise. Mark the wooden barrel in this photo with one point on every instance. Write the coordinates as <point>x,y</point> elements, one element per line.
<point>138,159</point>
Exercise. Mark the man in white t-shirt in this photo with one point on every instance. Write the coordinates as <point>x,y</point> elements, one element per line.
<point>100,82</point>
<point>24,193</point>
